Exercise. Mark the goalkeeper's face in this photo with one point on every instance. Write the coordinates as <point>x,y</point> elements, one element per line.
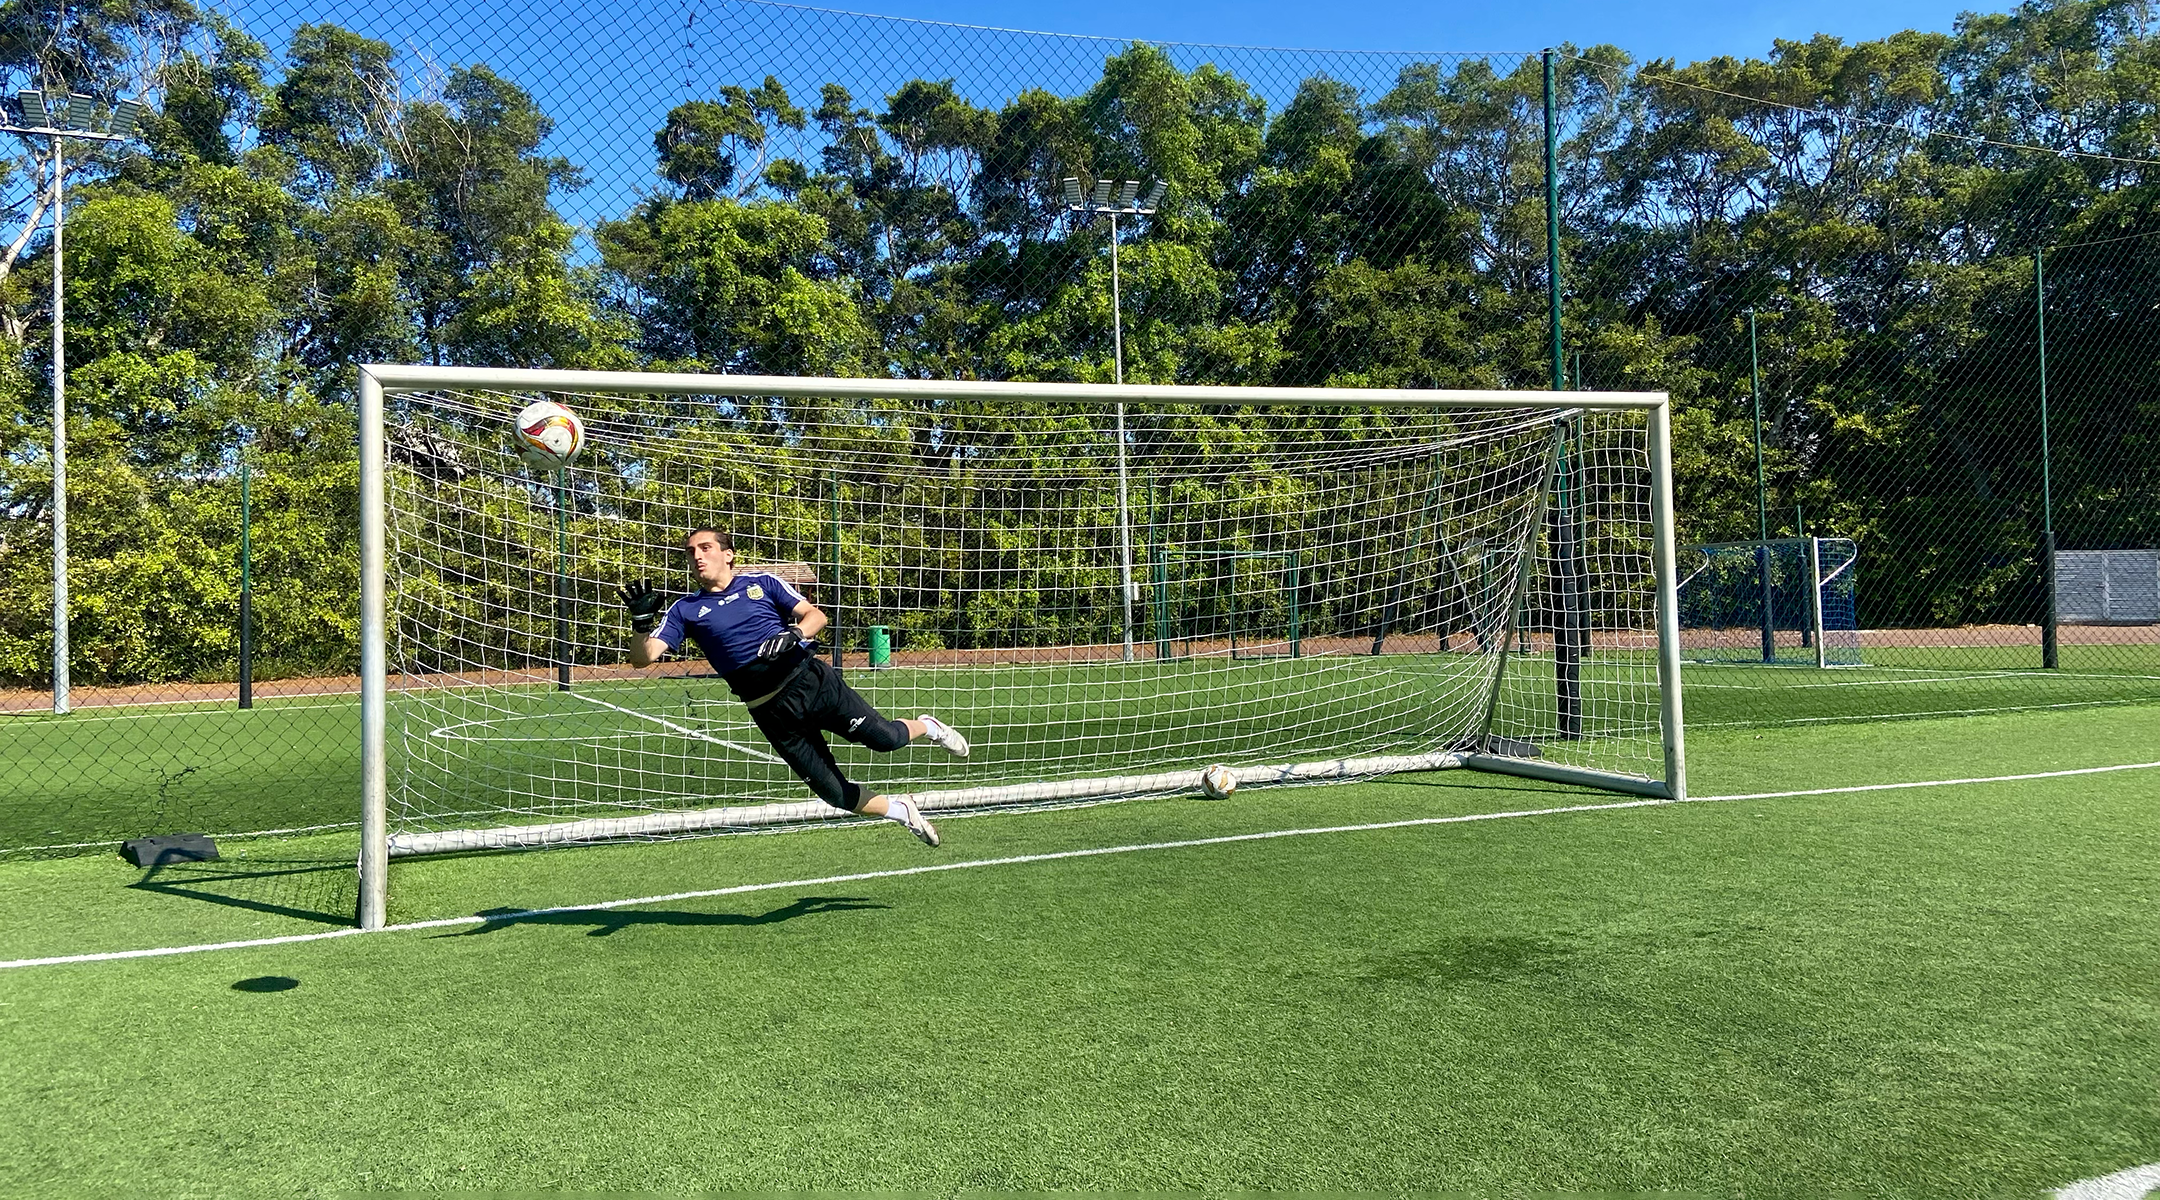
<point>713,564</point>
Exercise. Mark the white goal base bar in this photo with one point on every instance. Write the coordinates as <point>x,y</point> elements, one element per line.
<point>759,816</point>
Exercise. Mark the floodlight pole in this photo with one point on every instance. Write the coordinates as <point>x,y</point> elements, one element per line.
<point>1117,328</point>
<point>59,130</point>
<point>59,447</point>
<point>1099,201</point>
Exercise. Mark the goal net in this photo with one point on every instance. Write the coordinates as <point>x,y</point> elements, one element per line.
<point>1106,589</point>
<point>1788,600</point>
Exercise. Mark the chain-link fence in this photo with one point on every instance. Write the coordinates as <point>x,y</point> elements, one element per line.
<point>1900,291</point>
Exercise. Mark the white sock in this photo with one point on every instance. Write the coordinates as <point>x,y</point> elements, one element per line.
<point>898,810</point>
<point>933,728</point>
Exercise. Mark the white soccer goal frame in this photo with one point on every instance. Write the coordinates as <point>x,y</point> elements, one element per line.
<point>380,380</point>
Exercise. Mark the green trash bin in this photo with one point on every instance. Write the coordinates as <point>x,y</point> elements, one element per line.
<point>880,646</point>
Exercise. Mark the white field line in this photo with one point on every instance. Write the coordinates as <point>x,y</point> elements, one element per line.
<point>1970,677</point>
<point>1900,716</point>
<point>171,708</point>
<point>1054,856</point>
<point>108,843</point>
<point>2133,1184</point>
<point>664,723</point>
<point>1901,681</point>
<point>1906,681</point>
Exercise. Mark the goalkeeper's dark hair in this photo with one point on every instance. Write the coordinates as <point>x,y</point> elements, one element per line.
<point>727,542</point>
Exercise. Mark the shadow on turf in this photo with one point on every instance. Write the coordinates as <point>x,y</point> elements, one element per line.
<point>228,884</point>
<point>614,920</point>
<point>1471,781</point>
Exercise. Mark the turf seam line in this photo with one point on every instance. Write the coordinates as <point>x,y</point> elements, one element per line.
<point>1023,859</point>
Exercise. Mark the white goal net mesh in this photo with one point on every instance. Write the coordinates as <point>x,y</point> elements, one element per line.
<point>1313,594</point>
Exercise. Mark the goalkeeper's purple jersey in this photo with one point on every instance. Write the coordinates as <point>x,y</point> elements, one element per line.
<point>729,625</point>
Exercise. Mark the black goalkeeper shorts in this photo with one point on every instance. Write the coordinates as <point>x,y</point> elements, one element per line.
<point>815,702</point>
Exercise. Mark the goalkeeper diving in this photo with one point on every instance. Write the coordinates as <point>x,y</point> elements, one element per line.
<point>758,632</point>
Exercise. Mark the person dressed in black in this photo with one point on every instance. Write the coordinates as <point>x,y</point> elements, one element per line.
<point>757,630</point>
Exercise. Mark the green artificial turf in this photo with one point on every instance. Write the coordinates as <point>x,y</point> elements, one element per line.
<point>97,776</point>
<point>112,773</point>
<point>1942,991</point>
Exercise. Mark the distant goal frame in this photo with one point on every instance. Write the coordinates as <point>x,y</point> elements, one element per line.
<point>378,381</point>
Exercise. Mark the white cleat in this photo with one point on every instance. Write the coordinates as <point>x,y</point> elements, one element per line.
<point>944,735</point>
<point>916,822</point>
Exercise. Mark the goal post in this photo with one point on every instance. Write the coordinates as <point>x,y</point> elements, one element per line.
<point>1464,579</point>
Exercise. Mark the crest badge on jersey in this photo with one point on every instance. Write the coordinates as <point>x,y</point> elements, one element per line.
<point>755,592</point>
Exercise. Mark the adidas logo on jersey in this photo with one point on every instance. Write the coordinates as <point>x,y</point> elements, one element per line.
<point>703,609</point>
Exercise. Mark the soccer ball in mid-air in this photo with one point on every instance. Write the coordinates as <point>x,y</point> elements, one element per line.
<point>548,435</point>
<point>1218,782</point>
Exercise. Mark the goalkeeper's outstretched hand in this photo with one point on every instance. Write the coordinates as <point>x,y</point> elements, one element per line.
<point>644,604</point>
<point>780,643</point>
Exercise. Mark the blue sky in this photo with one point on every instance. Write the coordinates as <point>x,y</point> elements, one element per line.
<point>1684,29</point>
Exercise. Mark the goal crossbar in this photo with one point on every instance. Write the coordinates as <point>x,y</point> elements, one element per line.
<point>424,378</point>
<point>379,381</point>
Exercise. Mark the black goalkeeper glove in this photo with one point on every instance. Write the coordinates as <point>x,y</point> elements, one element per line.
<point>644,604</point>
<point>780,643</point>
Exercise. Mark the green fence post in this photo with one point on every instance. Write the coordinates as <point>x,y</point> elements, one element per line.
<point>1237,615</point>
<point>1814,582</point>
<point>832,482</point>
<point>1567,649</point>
<point>2048,655</point>
<point>1762,497</point>
<point>247,592</point>
<point>1297,563</point>
<point>1552,224</point>
<point>1568,622</point>
<point>1159,574</point>
<point>562,581</point>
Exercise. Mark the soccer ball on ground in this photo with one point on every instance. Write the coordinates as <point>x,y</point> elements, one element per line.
<point>1218,782</point>
<point>548,435</point>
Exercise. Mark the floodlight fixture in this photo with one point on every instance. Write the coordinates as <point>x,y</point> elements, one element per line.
<point>81,113</point>
<point>1098,200</point>
<point>33,107</point>
<point>128,115</point>
<point>1113,197</point>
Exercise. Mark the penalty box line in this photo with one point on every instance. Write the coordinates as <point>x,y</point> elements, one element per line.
<point>1050,856</point>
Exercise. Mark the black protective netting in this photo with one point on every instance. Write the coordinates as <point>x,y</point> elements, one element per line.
<point>1846,234</point>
